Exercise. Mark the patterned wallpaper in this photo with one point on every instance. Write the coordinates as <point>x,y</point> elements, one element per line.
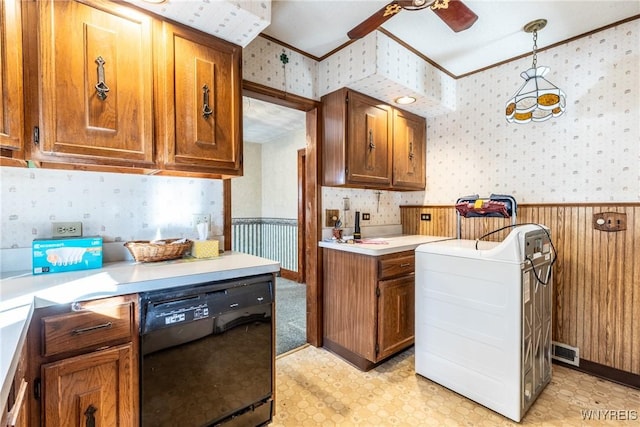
<point>261,64</point>
<point>118,207</point>
<point>591,153</point>
<point>383,206</point>
<point>237,21</point>
<point>380,67</point>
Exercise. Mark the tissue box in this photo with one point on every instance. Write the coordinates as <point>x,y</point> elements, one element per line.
<point>205,249</point>
<point>68,254</point>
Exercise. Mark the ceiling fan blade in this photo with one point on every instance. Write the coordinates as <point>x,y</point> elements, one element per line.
<point>456,15</point>
<point>377,19</point>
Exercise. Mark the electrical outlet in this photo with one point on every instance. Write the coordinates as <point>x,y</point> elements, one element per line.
<point>366,217</point>
<point>425,217</point>
<point>610,221</point>
<point>200,218</point>
<point>66,229</point>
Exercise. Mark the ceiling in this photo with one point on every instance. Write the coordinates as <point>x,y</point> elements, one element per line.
<point>317,27</point>
<point>264,122</point>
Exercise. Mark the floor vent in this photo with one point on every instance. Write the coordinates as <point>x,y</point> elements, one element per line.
<point>565,353</point>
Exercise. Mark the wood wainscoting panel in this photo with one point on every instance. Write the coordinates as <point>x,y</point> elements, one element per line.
<point>596,276</point>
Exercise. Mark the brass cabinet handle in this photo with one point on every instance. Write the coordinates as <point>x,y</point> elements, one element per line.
<point>410,150</point>
<point>101,86</point>
<point>91,328</point>
<point>371,144</point>
<point>406,264</point>
<point>206,111</point>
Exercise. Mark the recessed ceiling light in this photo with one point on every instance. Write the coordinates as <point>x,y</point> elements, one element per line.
<point>403,100</point>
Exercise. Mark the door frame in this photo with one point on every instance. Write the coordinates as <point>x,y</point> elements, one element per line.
<point>312,200</point>
<point>302,200</point>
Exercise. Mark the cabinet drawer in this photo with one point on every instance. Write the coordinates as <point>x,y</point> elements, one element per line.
<point>87,329</point>
<point>396,265</point>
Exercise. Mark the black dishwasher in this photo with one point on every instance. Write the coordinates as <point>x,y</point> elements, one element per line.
<point>206,354</point>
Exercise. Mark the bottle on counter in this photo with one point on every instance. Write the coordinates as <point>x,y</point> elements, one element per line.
<point>356,229</point>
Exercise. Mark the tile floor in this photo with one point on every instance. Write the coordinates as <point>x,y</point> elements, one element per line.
<point>316,388</point>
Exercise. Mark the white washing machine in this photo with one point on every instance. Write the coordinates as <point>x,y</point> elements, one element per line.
<point>483,317</point>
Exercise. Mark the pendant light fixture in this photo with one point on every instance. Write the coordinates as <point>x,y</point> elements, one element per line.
<point>537,99</point>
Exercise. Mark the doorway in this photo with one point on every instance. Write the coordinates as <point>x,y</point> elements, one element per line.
<point>312,204</point>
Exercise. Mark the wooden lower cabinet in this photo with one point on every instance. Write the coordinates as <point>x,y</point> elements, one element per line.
<point>94,389</point>
<point>368,305</point>
<point>396,304</point>
<point>83,364</point>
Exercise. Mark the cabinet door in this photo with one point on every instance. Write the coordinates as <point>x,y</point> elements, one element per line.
<point>11,104</point>
<point>203,103</point>
<point>96,95</point>
<point>408,151</point>
<point>395,315</point>
<point>92,389</point>
<point>369,142</point>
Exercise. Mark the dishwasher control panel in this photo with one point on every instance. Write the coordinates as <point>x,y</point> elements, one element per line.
<point>165,314</point>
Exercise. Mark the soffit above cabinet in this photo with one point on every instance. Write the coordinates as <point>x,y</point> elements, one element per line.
<point>238,22</point>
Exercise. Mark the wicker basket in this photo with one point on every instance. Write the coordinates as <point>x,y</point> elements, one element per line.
<point>146,251</point>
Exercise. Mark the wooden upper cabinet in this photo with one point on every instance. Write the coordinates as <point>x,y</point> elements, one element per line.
<point>11,104</point>
<point>409,151</point>
<point>201,102</point>
<point>96,88</point>
<point>368,144</point>
<point>369,135</point>
<point>357,140</point>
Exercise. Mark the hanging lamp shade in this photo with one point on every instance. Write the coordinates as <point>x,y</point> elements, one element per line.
<point>537,99</point>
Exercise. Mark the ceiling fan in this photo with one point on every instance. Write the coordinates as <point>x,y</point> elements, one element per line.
<point>454,13</point>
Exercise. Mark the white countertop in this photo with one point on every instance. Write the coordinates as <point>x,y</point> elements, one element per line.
<point>382,245</point>
<point>21,293</point>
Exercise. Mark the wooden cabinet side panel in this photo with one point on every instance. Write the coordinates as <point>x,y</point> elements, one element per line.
<point>396,319</point>
<point>79,47</point>
<point>16,408</point>
<point>11,103</point>
<point>101,380</point>
<point>334,116</point>
<point>409,151</point>
<point>350,301</point>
